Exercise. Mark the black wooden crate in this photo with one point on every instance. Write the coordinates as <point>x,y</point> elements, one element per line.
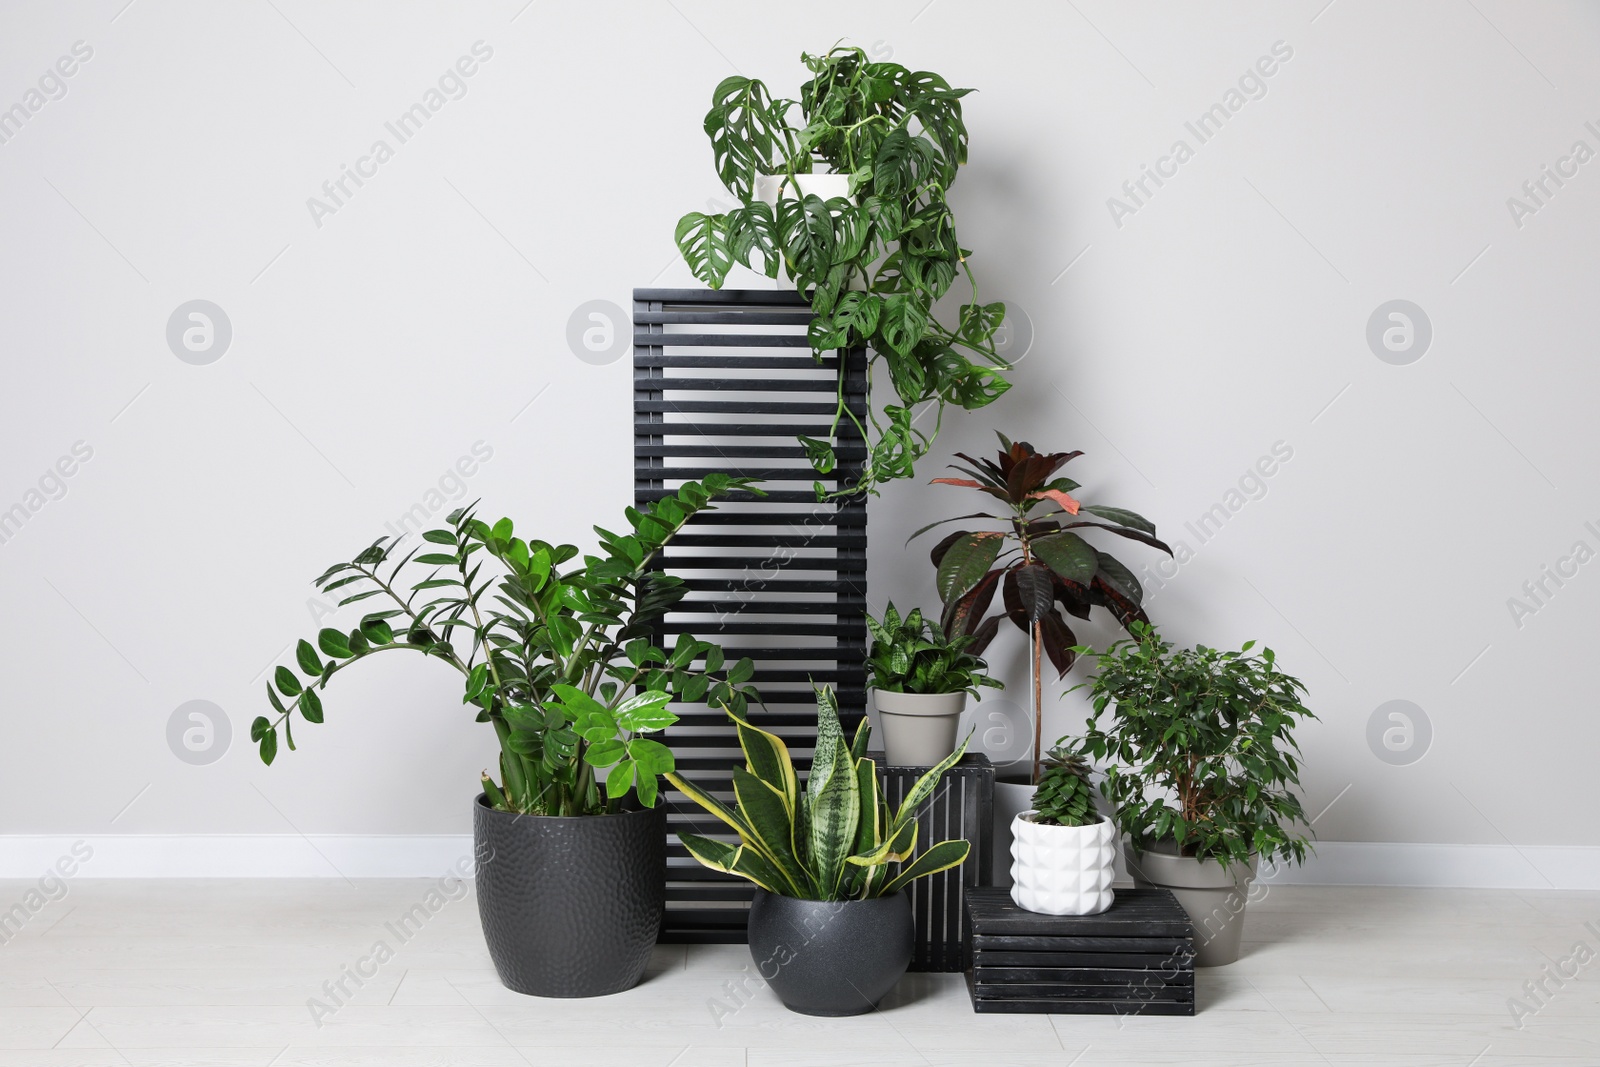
<point>962,806</point>
<point>1135,959</point>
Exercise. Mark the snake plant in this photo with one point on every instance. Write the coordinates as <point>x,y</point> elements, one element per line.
<point>832,839</point>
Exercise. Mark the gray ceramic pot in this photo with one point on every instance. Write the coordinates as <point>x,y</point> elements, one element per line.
<point>830,957</point>
<point>918,729</point>
<point>1010,800</point>
<point>1214,896</point>
<point>571,907</point>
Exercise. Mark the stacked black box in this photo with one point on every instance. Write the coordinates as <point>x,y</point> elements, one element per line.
<point>962,806</point>
<point>1135,959</point>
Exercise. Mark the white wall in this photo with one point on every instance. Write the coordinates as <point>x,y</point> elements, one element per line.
<point>373,347</point>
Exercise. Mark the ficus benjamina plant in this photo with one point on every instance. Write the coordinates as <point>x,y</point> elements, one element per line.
<point>559,662</point>
<point>872,263</point>
<point>1198,747</point>
<point>835,837</point>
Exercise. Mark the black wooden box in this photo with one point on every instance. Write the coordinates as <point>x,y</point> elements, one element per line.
<point>962,806</point>
<point>1135,959</point>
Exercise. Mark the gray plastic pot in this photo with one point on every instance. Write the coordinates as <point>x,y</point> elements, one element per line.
<point>1214,896</point>
<point>918,729</point>
<point>831,957</point>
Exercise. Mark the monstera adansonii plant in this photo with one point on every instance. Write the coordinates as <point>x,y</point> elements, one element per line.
<point>871,263</point>
<point>1038,561</point>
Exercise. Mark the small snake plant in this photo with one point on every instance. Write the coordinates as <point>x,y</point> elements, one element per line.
<point>833,839</point>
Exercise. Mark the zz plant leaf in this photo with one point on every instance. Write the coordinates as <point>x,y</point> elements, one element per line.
<point>556,658</point>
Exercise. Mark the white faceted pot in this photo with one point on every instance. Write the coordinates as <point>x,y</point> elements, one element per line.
<point>1062,870</point>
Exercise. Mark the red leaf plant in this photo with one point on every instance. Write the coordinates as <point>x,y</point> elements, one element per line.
<point>1037,563</point>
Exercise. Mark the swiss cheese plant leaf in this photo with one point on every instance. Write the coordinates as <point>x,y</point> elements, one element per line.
<point>703,241</point>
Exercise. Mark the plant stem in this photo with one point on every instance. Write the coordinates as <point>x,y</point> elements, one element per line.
<point>1038,700</point>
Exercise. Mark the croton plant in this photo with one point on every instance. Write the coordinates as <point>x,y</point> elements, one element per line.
<point>1038,561</point>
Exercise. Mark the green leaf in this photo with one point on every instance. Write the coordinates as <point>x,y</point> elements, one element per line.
<point>436,559</point>
<point>1068,555</point>
<point>440,537</point>
<point>835,814</point>
<point>308,659</point>
<point>939,857</point>
<point>311,706</point>
<point>1122,517</point>
<point>259,727</point>
<point>269,746</point>
<point>378,632</point>
<point>651,757</point>
<point>704,242</point>
<point>605,753</point>
<point>334,644</point>
<point>966,562</point>
<point>620,780</point>
<point>288,684</point>
<point>819,453</point>
<point>770,820</point>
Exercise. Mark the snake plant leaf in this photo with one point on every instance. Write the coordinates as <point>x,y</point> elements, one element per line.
<point>716,807</point>
<point>835,814</point>
<point>869,828</point>
<point>940,857</point>
<point>766,812</point>
<point>830,740</point>
<point>858,747</point>
<point>736,859</point>
<point>924,787</point>
<point>767,757</point>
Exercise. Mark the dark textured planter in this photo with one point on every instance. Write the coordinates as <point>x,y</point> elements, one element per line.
<point>571,907</point>
<point>830,957</point>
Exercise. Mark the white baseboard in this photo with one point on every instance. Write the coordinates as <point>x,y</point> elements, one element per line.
<point>429,856</point>
<point>1464,866</point>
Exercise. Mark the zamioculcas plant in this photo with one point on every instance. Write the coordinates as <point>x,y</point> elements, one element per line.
<point>872,262</point>
<point>1037,561</point>
<point>831,839</point>
<point>558,662</point>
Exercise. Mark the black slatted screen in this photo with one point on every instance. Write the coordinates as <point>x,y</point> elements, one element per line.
<point>724,381</point>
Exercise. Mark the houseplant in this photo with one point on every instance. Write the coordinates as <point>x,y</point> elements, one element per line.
<point>1200,762</point>
<point>874,252</point>
<point>920,680</point>
<point>1063,851</point>
<point>830,929</point>
<point>1041,565</point>
<point>571,899</point>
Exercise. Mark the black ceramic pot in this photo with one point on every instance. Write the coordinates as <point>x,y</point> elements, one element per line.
<point>830,957</point>
<point>571,907</point>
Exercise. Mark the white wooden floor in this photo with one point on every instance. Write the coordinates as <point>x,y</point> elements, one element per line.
<point>219,973</point>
